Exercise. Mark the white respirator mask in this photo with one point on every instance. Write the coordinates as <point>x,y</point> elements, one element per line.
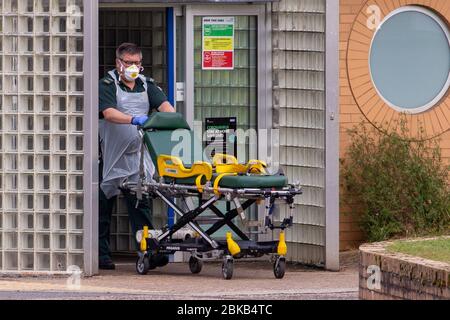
<point>131,73</point>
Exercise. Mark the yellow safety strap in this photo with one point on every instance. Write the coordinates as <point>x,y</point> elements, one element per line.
<point>230,168</point>
<point>198,183</point>
<point>225,163</point>
<point>170,166</point>
<point>217,180</point>
<point>256,167</point>
<point>220,157</point>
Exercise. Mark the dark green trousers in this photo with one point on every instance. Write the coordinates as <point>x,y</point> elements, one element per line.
<point>139,217</point>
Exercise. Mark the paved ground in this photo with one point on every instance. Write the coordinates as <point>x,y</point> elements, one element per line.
<point>251,280</point>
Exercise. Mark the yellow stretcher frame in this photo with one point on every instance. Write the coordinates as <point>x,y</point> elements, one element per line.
<point>223,165</point>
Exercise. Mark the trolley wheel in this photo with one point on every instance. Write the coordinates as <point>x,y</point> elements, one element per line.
<point>279,268</point>
<point>142,266</point>
<point>227,269</point>
<point>195,265</point>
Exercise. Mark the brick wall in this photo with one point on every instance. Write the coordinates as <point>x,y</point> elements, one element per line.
<point>401,276</point>
<point>350,114</point>
<point>350,234</point>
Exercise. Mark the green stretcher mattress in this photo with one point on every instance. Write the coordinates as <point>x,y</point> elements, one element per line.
<point>244,181</point>
<point>166,133</point>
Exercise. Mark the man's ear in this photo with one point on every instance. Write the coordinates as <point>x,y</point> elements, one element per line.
<point>119,65</point>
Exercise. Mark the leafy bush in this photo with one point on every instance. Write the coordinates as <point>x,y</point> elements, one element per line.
<point>397,186</point>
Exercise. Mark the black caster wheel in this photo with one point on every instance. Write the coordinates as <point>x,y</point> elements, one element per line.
<point>279,268</point>
<point>158,260</point>
<point>195,265</point>
<point>143,265</point>
<point>227,269</point>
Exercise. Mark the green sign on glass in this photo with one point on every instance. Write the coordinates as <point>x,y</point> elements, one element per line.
<point>218,30</point>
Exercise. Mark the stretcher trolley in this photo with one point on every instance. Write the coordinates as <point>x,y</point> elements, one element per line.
<point>192,187</point>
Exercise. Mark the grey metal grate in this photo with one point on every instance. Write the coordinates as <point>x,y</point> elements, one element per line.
<point>146,28</point>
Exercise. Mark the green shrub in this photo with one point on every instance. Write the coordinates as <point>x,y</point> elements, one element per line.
<point>397,186</point>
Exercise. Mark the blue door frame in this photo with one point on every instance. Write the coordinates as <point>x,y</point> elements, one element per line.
<point>170,55</point>
<point>170,23</point>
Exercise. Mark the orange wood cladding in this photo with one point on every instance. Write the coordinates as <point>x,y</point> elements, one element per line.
<point>359,100</point>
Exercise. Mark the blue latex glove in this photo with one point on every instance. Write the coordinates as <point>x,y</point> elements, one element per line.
<point>139,120</point>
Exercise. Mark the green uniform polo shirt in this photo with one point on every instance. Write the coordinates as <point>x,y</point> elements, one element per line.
<point>107,93</point>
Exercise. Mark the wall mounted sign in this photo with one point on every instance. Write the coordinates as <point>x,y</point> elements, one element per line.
<point>218,43</point>
<point>221,136</point>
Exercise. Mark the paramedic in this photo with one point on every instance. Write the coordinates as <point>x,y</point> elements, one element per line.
<point>126,98</point>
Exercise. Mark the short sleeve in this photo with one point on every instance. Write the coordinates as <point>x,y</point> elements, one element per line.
<point>107,94</point>
<point>156,96</point>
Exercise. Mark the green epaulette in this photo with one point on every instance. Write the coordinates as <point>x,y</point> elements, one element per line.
<point>108,81</point>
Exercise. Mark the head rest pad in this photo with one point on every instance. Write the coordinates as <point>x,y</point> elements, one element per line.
<point>166,121</point>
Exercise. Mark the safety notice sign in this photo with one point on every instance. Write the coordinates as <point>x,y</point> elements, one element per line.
<point>221,136</point>
<point>218,43</point>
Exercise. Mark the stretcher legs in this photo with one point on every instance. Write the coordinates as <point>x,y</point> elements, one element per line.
<point>201,246</point>
<point>227,220</point>
<point>187,219</point>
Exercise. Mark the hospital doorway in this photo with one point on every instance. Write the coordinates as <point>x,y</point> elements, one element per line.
<point>147,28</point>
<point>171,43</point>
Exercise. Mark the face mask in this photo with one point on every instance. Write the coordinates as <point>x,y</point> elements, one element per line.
<point>131,73</point>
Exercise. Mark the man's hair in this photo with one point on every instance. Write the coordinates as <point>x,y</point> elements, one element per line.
<point>129,48</point>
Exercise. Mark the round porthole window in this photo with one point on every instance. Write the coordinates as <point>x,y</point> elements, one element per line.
<point>410,59</point>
